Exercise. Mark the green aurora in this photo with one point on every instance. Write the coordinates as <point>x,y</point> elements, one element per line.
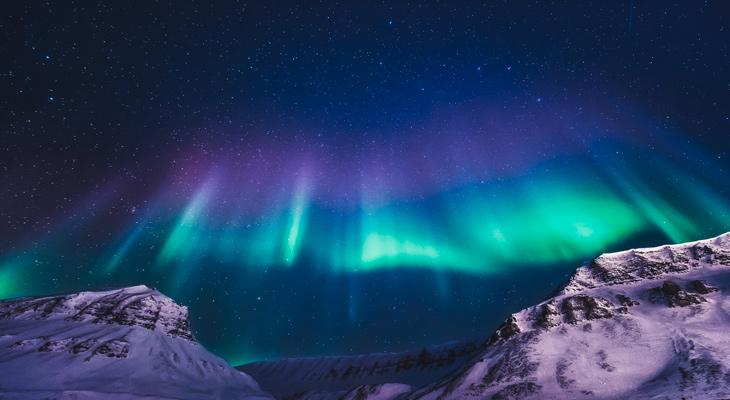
<point>557,216</point>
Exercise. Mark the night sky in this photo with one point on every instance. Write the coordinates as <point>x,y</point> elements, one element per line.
<point>344,177</point>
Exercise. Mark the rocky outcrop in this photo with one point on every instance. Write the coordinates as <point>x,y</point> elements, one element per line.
<point>673,296</point>
<point>581,308</point>
<point>652,263</point>
<point>134,306</point>
<point>702,287</point>
<point>571,310</point>
<point>508,329</point>
<point>547,316</point>
<point>626,301</point>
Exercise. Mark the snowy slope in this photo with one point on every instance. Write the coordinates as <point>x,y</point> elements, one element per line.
<point>640,324</point>
<point>131,343</point>
<point>344,377</point>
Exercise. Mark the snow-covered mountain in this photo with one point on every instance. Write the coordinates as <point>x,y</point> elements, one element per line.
<point>347,377</point>
<point>641,324</point>
<point>132,343</point>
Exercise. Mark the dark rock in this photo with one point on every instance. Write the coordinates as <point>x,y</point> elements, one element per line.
<point>668,262</point>
<point>116,348</point>
<point>505,331</point>
<point>635,265</point>
<point>55,345</point>
<point>626,300</point>
<point>672,295</point>
<point>701,252</point>
<point>138,306</point>
<point>583,307</point>
<point>40,308</point>
<point>548,316</point>
<point>702,287</point>
<point>181,328</point>
<point>609,274</point>
<point>710,255</point>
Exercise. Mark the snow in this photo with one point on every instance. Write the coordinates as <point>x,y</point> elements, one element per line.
<point>132,343</point>
<point>333,377</point>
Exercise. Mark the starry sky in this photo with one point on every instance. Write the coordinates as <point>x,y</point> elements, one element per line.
<point>317,178</point>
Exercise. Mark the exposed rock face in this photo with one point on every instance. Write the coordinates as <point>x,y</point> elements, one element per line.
<point>672,295</point>
<point>136,306</point>
<point>133,343</point>
<point>508,329</point>
<point>580,308</point>
<point>571,310</point>
<point>548,316</point>
<point>117,348</point>
<point>626,301</point>
<point>702,287</point>
<point>641,264</point>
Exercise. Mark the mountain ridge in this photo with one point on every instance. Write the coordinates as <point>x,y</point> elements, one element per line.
<point>129,343</point>
<point>660,297</point>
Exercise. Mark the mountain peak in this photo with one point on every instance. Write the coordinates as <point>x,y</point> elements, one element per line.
<point>130,306</point>
<point>650,263</point>
<point>131,343</point>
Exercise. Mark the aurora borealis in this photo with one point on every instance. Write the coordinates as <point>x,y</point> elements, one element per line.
<point>330,179</point>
